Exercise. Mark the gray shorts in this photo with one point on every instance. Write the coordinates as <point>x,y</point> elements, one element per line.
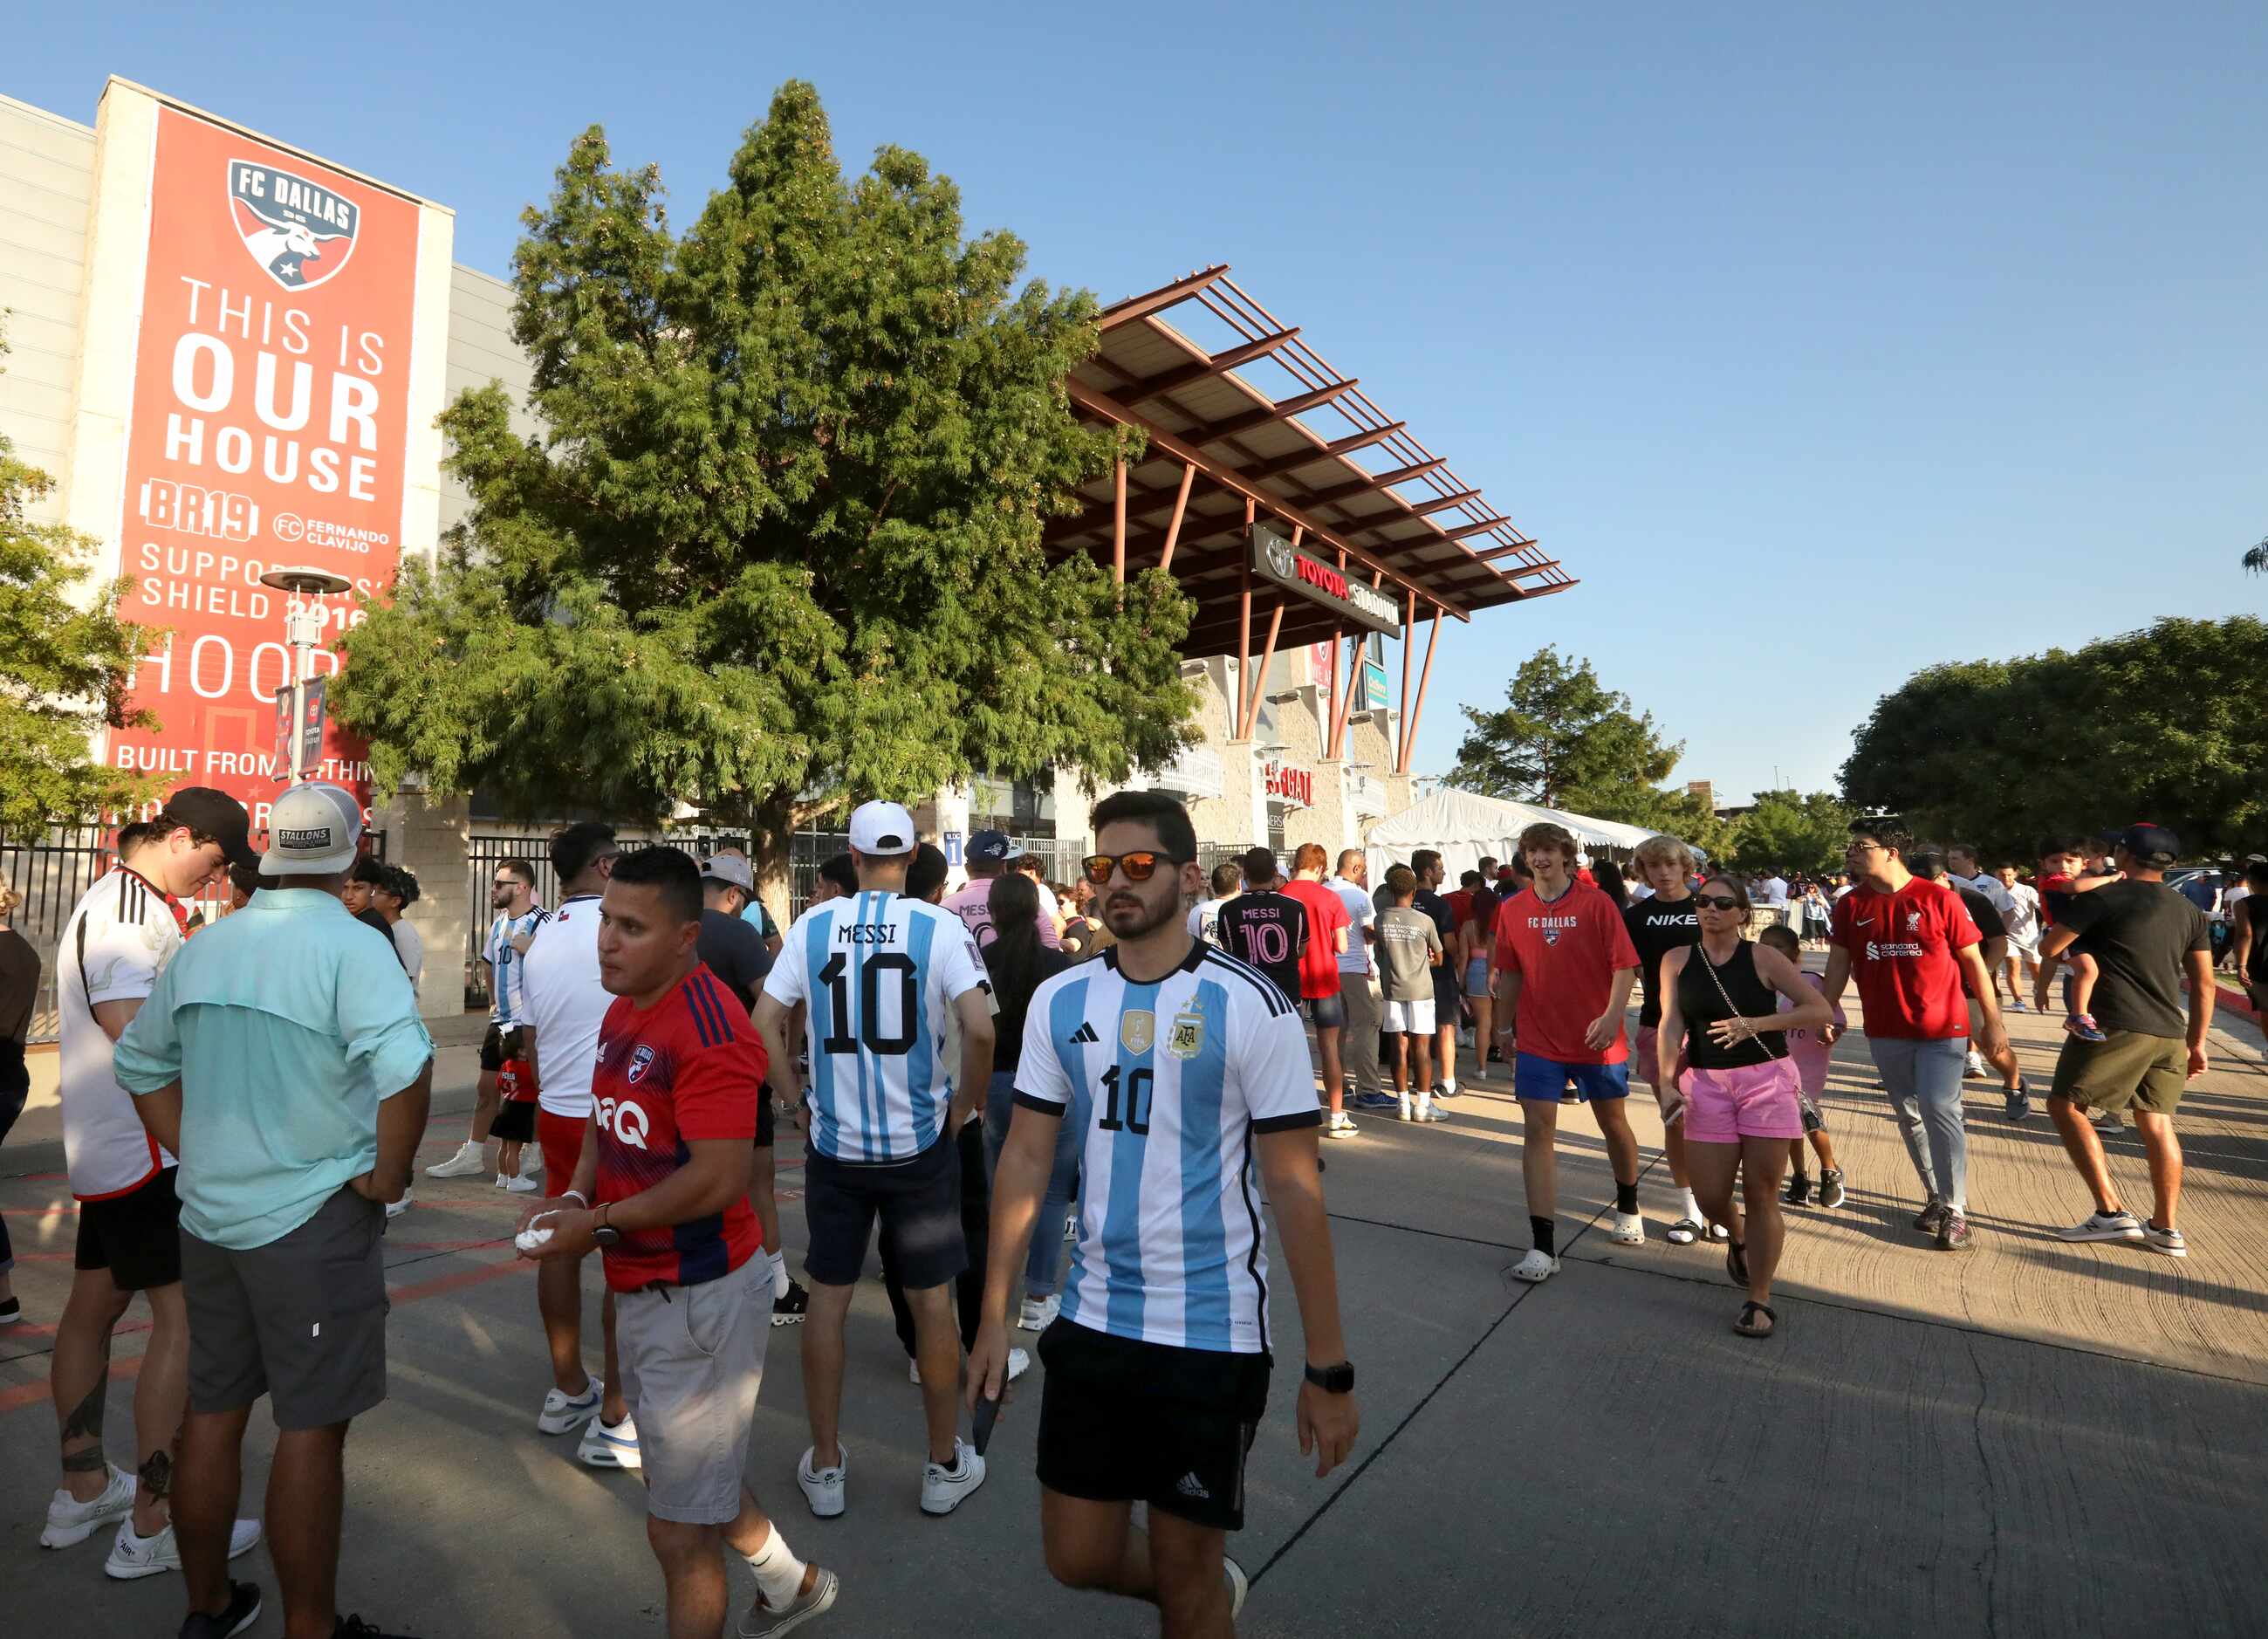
<point>301,1319</point>
<point>693,1358</point>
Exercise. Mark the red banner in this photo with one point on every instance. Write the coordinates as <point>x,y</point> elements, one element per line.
<point>269,427</point>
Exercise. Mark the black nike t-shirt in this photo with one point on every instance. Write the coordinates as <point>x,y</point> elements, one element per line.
<point>1267,930</point>
<point>1657,927</point>
<point>735,951</point>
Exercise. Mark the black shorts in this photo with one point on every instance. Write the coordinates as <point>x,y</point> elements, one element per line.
<point>499,1046</point>
<point>918,1202</point>
<point>1125,1421</point>
<point>1327,1012</point>
<point>301,1319</point>
<point>515,1121</point>
<point>136,1236</point>
<point>766,1121</point>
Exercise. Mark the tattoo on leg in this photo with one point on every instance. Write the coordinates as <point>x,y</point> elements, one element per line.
<point>88,1459</point>
<point>157,1474</point>
<point>86,1420</point>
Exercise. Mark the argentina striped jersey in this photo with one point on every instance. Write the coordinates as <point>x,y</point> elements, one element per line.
<point>879,974</point>
<point>1165,1083</point>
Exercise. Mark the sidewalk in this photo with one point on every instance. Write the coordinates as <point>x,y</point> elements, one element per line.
<point>2034,1438</point>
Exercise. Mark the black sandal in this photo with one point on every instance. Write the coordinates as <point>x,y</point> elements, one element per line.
<point>1736,1263</point>
<point>1746,1324</point>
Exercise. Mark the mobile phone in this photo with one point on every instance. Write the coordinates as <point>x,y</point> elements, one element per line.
<point>987,1412</point>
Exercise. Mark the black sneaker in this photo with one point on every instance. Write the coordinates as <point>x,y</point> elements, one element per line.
<point>1798,1192</point>
<point>1830,1188</point>
<point>354,1628</point>
<point>1953,1233</point>
<point>2019,1100</point>
<point>11,1310</point>
<point>243,1611</point>
<point>1933,1217</point>
<point>789,1309</point>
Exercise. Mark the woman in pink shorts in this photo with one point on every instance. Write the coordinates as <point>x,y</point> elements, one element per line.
<point>1720,1002</point>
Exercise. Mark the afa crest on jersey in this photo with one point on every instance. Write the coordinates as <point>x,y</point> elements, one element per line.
<point>300,232</point>
<point>641,1061</point>
<point>1185,1039</point>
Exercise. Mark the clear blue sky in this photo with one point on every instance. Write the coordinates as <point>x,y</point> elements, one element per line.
<point>1821,347</point>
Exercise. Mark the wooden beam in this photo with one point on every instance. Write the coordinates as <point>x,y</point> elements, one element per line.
<point>1408,637</point>
<point>1118,527</point>
<point>1381,481</point>
<point>1173,529</point>
<point>1140,307</point>
<point>1260,678</point>
<point>1282,464</point>
<point>1212,432</point>
<point>1464,530</point>
<point>1409,726</point>
<point>1102,403</point>
<point>1219,363</point>
<point>1346,701</point>
<point>1442,503</point>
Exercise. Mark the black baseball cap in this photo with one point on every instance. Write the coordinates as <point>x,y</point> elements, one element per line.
<point>993,845</point>
<point>2151,845</point>
<point>217,815</point>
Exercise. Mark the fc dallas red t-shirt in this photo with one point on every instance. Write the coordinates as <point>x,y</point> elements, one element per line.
<point>1566,952</point>
<point>1327,913</point>
<point>688,1067</point>
<point>1903,951</point>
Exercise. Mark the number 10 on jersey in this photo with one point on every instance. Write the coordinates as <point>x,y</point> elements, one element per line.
<point>1136,1089</point>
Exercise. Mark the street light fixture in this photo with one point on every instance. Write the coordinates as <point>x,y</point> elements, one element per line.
<point>303,628</point>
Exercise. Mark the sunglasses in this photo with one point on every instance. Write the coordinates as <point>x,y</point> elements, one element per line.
<point>1139,865</point>
<point>1717,902</point>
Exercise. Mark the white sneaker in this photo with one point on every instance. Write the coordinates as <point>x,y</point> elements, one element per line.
<point>1402,1101</point>
<point>2103,1226</point>
<point>563,1413</point>
<point>516,1187</point>
<point>1976,1068</point>
<point>395,1208</point>
<point>1428,1109</point>
<point>2167,1241</point>
<point>1626,1229</point>
<point>1039,1313</point>
<point>604,1447</point>
<point>132,1556</point>
<point>822,1488</point>
<point>466,1163</point>
<point>945,1489</point>
<point>1019,1363</point>
<point>71,1522</point>
<point>763,1622</point>
<point>1538,1265</point>
<point>1238,1585</point>
<point>1339,1124</point>
<point>913,1372</point>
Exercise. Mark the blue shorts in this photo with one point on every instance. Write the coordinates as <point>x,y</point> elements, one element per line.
<point>1544,1080</point>
<point>1476,978</point>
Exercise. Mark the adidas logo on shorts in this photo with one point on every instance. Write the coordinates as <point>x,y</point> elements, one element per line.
<point>1191,1487</point>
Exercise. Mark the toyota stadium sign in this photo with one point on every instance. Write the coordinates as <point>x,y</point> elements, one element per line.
<point>1277,559</point>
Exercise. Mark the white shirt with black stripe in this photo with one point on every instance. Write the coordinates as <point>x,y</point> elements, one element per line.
<point>116,942</point>
<point>1166,1083</point>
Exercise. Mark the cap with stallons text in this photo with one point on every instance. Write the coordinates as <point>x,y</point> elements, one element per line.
<point>312,831</point>
<point>882,828</point>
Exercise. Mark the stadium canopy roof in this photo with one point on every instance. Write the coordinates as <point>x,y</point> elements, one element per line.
<point>1252,425</point>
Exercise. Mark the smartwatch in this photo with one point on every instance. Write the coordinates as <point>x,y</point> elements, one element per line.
<point>1337,1379</point>
<point>605,1234</point>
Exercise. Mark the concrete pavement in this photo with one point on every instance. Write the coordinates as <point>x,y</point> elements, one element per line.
<point>2034,1438</point>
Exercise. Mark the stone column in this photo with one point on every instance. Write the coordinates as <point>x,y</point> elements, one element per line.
<point>431,840</point>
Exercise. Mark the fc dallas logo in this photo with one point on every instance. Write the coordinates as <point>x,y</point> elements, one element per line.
<point>300,232</point>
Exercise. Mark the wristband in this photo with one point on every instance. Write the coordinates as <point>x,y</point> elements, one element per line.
<point>578,1195</point>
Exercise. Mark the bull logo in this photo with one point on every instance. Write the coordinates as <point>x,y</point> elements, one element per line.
<point>300,232</point>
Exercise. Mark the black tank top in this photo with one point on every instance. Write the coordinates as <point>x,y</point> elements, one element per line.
<point>1703,1004</point>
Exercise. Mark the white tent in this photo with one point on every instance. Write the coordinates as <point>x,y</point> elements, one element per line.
<point>1464,827</point>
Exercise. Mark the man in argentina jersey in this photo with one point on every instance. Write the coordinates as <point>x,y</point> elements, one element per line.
<point>879,974</point>
<point>1182,1070</point>
<point>511,895</point>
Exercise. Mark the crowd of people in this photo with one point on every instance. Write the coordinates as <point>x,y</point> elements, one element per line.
<point>1063,1109</point>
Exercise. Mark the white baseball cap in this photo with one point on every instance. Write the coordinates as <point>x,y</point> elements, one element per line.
<point>882,828</point>
<point>312,831</point>
<point>733,870</point>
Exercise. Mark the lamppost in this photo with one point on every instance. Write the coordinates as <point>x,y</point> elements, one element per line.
<point>303,626</point>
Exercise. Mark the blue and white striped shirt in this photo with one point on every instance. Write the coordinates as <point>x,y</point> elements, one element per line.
<point>880,974</point>
<point>508,997</point>
<point>1166,1083</point>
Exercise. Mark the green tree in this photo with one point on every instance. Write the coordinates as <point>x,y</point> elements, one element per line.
<point>2255,558</point>
<point>1790,831</point>
<point>67,662</point>
<point>2162,724</point>
<point>777,542</point>
<point>1565,739</point>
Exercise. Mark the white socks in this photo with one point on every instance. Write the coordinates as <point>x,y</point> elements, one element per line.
<point>1449,1083</point>
<point>779,1574</point>
<point>1692,1208</point>
<point>779,1274</point>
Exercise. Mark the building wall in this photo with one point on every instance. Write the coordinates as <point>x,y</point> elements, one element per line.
<point>46,178</point>
<point>481,350</point>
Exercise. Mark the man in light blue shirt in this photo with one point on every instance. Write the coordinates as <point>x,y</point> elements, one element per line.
<point>282,1059</point>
